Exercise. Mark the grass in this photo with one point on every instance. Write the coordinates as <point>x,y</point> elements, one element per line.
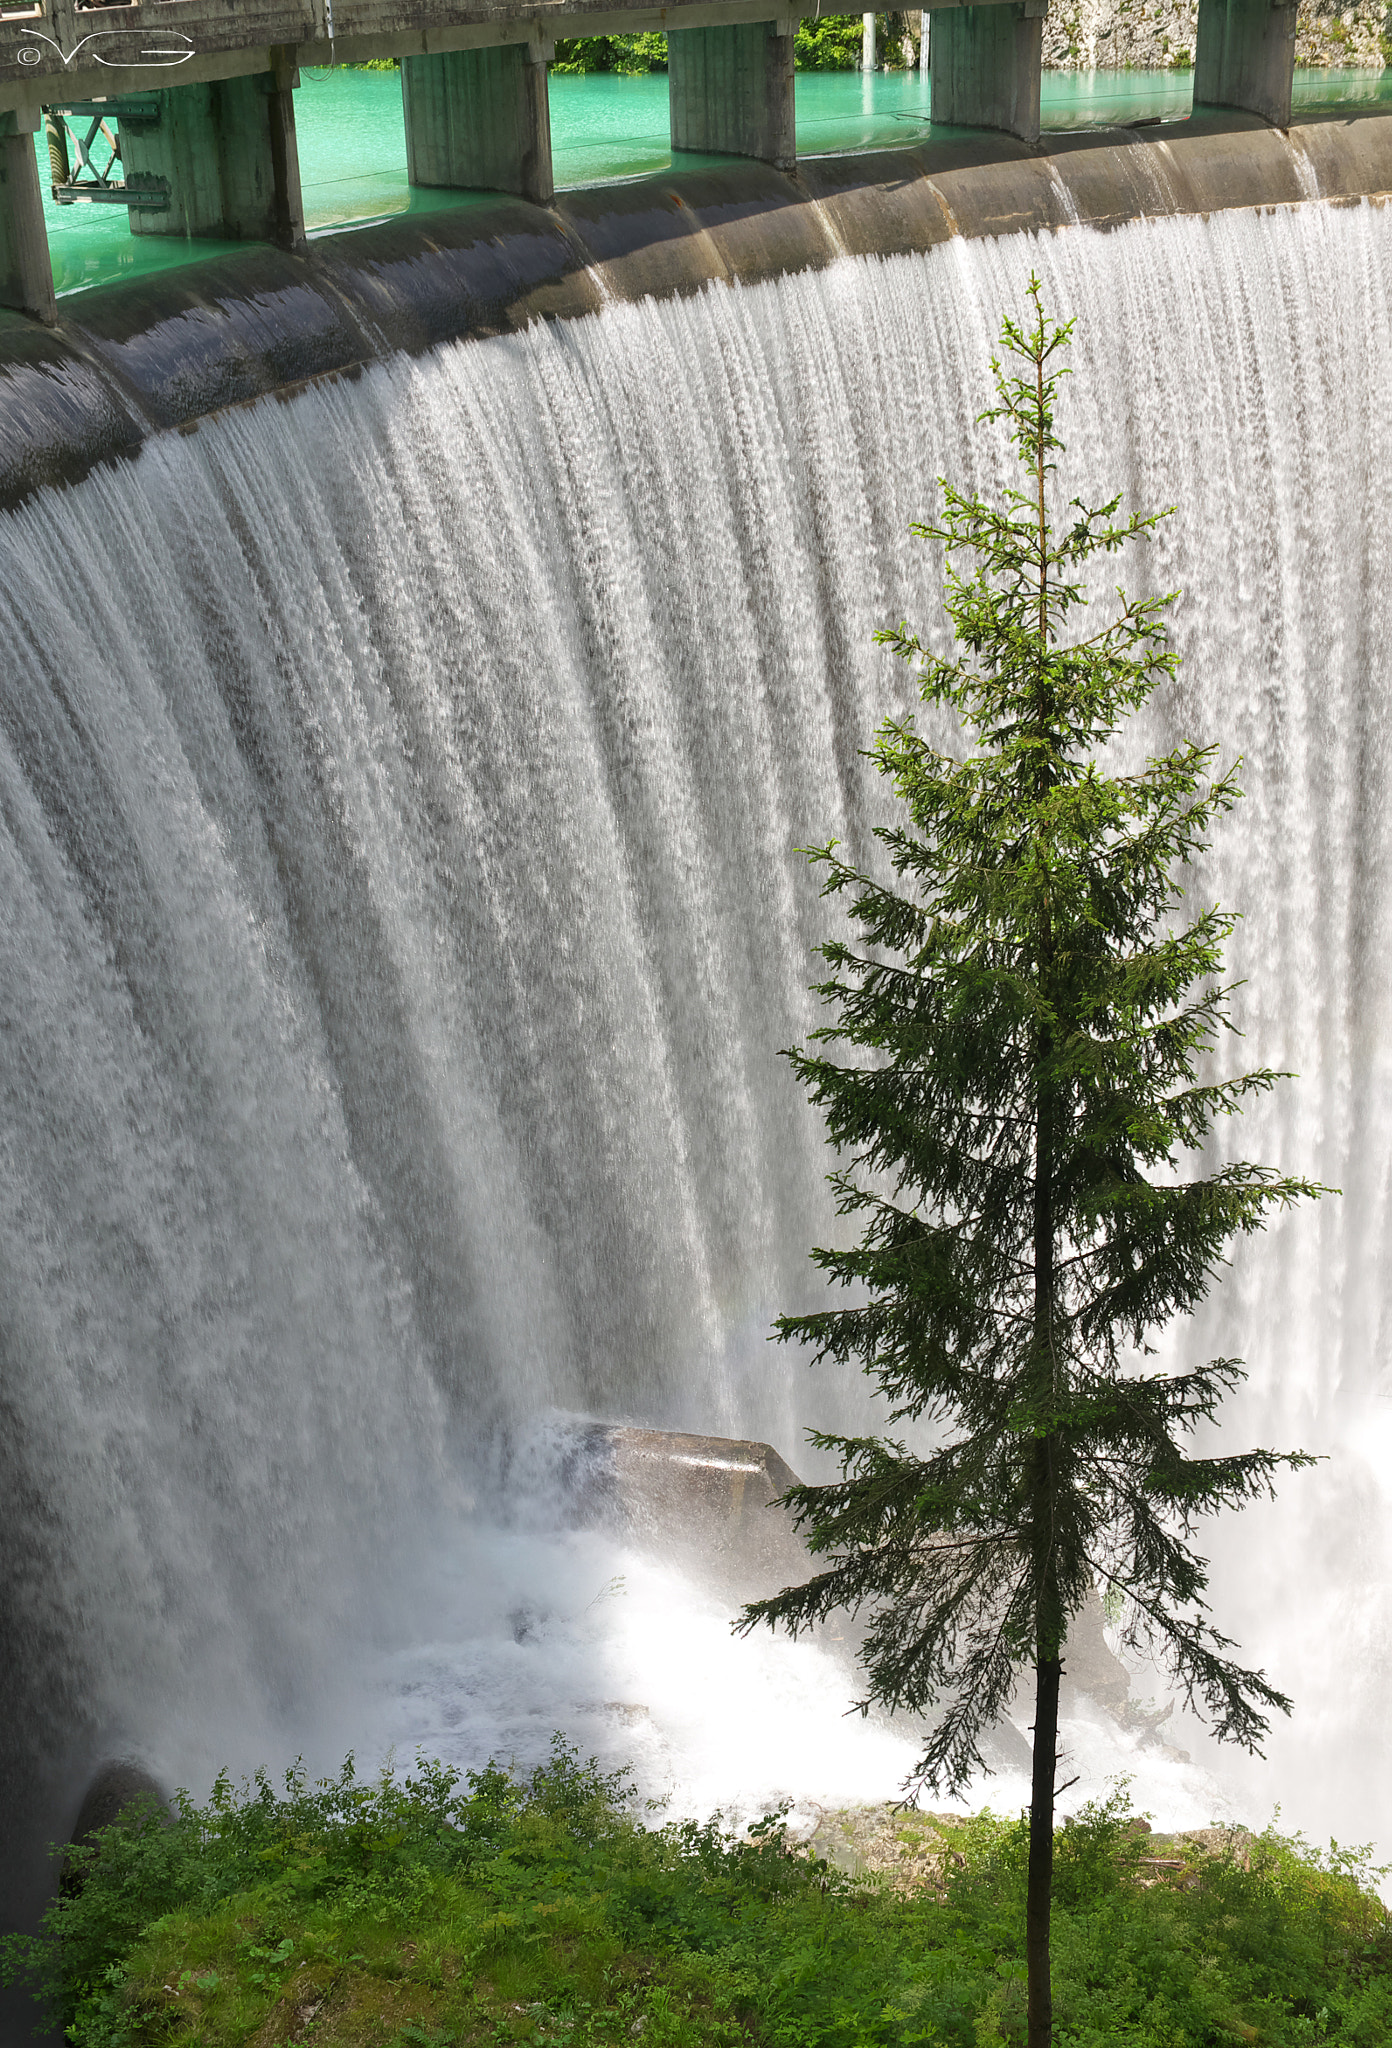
<point>548,1909</point>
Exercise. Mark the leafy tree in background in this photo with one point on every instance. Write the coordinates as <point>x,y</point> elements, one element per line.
<point>826,42</point>
<point>1028,1020</point>
<point>834,42</point>
<point>628,56</point>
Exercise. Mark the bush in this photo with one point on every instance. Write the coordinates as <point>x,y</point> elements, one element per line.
<point>546,1908</point>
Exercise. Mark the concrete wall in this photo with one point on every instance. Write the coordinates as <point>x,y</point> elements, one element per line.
<point>986,65</point>
<point>731,90</point>
<point>26,277</point>
<point>479,118</point>
<point>1245,57</point>
<point>226,155</point>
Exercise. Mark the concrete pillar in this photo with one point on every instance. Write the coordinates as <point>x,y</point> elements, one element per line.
<point>26,274</point>
<point>227,157</point>
<point>1245,57</point>
<point>731,90</point>
<point>869,55</point>
<point>986,66</point>
<point>480,118</point>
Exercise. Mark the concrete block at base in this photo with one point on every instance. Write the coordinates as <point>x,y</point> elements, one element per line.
<point>479,119</point>
<point>226,155</point>
<point>26,272</point>
<point>731,90</point>
<point>1244,56</point>
<point>704,1504</point>
<point>986,66</point>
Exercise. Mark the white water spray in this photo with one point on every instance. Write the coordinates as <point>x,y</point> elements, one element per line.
<point>399,796</point>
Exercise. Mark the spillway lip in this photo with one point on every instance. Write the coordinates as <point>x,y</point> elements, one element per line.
<point>147,355</point>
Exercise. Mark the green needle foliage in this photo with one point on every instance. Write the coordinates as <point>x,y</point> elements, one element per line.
<point>1030,1023</point>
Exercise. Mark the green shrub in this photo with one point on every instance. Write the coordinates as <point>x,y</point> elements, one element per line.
<point>546,1908</point>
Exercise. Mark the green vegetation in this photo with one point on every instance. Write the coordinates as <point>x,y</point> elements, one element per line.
<point>628,56</point>
<point>1032,1019</point>
<point>541,1909</point>
<point>828,42</point>
<point>833,42</point>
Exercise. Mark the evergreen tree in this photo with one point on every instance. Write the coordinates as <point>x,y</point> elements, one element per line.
<point>1030,1022</point>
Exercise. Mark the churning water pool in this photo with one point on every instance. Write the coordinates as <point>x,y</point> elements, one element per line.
<point>353,147</point>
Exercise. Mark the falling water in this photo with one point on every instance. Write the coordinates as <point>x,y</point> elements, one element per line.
<point>401,793</point>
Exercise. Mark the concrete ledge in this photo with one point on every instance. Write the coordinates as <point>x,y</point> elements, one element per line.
<point>131,359</point>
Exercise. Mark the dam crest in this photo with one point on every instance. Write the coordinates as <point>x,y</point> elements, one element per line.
<point>125,361</point>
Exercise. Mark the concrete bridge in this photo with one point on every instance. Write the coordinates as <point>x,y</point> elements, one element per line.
<point>201,93</point>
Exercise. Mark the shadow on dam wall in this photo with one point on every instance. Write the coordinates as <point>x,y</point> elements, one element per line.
<point>129,359</point>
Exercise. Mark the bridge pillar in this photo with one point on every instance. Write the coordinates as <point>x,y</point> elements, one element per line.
<point>731,90</point>
<point>1244,56</point>
<point>986,64</point>
<point>26,273</point>
<point>226,155</point>
<point>480,118</point>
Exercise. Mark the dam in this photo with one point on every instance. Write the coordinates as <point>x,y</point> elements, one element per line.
<point>202,95</point>
<point>426,649</point>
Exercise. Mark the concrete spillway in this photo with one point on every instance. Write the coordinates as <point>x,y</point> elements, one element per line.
<point>130,360</point>
<point>399,795</point>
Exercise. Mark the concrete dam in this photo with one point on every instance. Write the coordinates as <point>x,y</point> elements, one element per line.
<point>426,648</point>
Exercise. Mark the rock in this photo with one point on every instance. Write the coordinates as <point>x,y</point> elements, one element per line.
<point>912,1849</point>
<point>1160,34</point>
<point>116,1786</point>
<point>1089,1666</point>
<point>706,1503</point>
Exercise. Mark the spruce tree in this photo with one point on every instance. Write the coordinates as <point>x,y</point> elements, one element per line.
<point>1031,1020</point>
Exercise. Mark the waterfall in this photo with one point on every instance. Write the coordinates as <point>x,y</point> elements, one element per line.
<point>401,789</point>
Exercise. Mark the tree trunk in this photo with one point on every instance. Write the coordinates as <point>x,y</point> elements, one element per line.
<point>1041,1852</point>
<point>1048,1620</point>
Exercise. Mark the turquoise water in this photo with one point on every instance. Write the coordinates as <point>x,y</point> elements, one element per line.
<point>353,147</point>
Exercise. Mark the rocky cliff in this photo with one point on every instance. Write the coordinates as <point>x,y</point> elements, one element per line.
<point>1081,34</point>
